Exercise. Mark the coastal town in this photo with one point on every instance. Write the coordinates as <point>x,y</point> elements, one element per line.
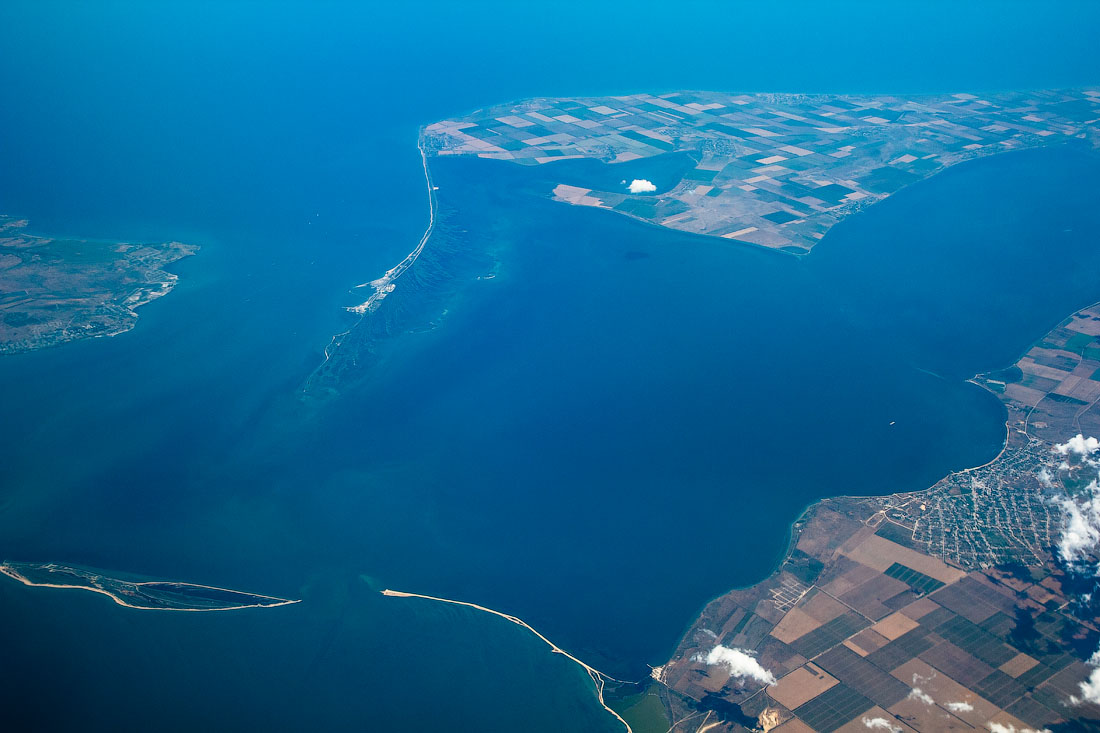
<point>954,608</point>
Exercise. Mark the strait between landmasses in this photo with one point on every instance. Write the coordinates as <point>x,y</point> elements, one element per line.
<point>965,606</point>
<point>969,605</point>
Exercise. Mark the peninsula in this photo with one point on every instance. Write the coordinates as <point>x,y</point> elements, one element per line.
<point>775,170</point>
<point>771,170</point>
<point>150,595</point>
<point>57,290</point>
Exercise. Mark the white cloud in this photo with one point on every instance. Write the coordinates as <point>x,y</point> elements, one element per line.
<point>641,185</point>
<point>1080,541</point>
<point>918,694</point>
<point>959,707</point>
<point>1078,445</point>
<point>1009,728</point>
<point>1080,544</point>
<point>1090,689</point>
<point>1081,527</point>
<point>881,724</point>
<point>1045,479</point>
<point>738,662</point>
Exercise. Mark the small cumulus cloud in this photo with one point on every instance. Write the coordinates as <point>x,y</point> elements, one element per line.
<point>959,707</point>
<point>881,724</point>
<point>1079,545</point>
<point>918,694</point>
<point>1090,688</point>
<point>738,662</point>
<point>1081,526</point>
<point>1078,445</point>
<point>641,185</point>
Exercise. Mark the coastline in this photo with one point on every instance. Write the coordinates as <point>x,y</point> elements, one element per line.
<point>795,525</point>
<point>84,300</point>
<point>599,679</point>
<point>387,283</point>
<point>11,572</point>
<point>803,516</point>
<point>961,538</point>
<point>617,129</point>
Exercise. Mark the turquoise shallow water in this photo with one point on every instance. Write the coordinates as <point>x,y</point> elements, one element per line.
<point>617,426</point>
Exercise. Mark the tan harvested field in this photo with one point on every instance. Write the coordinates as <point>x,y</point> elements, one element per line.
<point>795,624</point>
<point>895,625</point>
<point>1018,665</point>
<point>800,686</point>
<point>866,642</point>
<point>880,553</point>
<point>823,607</point>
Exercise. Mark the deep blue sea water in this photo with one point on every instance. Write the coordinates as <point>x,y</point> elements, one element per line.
<point>618,426</point>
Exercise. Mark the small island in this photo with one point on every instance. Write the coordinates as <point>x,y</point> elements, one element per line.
<point>149,595</point>
<point>57,290</point>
